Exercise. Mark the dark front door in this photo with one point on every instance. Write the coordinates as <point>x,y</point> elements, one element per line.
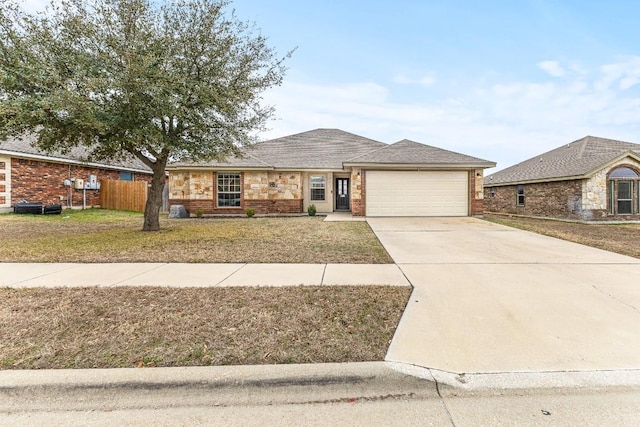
<point>342,194</point>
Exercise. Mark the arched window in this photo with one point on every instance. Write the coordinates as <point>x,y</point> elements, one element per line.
<point>624,191</point>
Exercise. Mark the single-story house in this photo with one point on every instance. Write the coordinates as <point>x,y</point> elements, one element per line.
<point>27,173</point>
<point>335,171</point>
<point>588,179</point>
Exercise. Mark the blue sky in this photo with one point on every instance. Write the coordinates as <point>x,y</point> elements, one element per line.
<point>500,80</point>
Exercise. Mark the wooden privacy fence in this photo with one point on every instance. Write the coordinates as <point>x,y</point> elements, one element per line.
<point>123,195</point>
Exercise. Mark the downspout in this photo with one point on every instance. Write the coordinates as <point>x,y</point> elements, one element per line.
<point>70,192</point>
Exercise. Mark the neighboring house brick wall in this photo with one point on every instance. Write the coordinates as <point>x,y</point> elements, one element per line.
<point>42,181</point>
<point>560,199</point>
<point>585,199</point>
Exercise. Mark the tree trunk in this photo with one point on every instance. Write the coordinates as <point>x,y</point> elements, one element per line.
<point>154,198</point>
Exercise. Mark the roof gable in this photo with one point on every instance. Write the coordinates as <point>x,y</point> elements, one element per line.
<point>578,159</point>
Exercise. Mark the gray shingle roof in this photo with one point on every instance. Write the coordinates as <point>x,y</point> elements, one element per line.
<point>22,147</point>
<point>576,159</point>
<point>315,149</point>
<point>332,148</point>
<point>411,152</point>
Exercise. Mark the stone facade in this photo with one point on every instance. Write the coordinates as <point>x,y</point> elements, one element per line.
<point>43,181</point>
<point>274,192</point>
<point>476,192</point>
<point>578,199</point>
<point>267,192</point>
<point>358,206</point>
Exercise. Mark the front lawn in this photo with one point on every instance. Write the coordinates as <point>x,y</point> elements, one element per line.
<point>145,327</point>
<point>97,235</point>
<point>620,238</point>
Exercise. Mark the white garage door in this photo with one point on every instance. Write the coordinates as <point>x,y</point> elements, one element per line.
<point>408,193</point>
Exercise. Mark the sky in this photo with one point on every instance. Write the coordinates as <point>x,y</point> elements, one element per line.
<point>503,80</point>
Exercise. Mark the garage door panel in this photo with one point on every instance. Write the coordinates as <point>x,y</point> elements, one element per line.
<point>413,193</point>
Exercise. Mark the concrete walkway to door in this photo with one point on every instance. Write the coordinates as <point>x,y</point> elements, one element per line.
<point>490,299</point>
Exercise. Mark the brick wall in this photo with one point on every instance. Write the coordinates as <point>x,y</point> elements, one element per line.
<point>41,181</point>
<point>561,199</point>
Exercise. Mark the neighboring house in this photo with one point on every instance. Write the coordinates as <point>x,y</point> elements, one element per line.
<point>27,173</point>
<point>589,179</point>
<point>335,171</point>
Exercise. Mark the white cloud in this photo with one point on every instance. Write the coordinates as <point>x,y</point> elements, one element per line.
<point>426,80</point>
<point>553,68</point>
<point>626,74</point>
<point>506,122</point>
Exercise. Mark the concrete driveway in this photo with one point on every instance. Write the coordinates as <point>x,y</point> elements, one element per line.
<point>493,299</point>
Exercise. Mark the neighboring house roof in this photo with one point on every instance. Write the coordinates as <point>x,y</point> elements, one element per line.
<point>411,153</point>
<point>22,147</point>
<point>333,149</point>
<point>576,160</point>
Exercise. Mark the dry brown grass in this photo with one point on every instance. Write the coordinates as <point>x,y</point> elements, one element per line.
<point>97,235</point>
<point>620,238</point>
<point>129,327</point>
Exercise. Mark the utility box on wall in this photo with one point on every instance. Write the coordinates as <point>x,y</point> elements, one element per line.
<point>92,183</point>
<point>78,184</point>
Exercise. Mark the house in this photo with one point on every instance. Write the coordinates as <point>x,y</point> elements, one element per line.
<point>588,179</point>
<point>335,171</point>
<point>27,173</point>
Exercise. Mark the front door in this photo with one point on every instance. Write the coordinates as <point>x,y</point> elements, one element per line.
<point>342,194</point>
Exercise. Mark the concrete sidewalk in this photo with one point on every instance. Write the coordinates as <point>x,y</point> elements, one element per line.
<point>26,275</point>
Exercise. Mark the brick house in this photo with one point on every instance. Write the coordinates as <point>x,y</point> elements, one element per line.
<point>29,174</point>
<point>335,171</point>
<point>591,179</point>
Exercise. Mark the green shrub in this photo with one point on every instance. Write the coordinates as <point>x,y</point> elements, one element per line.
<point>199,213</point>
<point>311,210</point>
<point>250,212</point>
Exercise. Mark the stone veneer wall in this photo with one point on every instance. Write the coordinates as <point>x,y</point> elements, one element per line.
<point>595,197</point>
<point>476,193</point>
<point>42,181</point>
<point>267,192</point>
<point>358,206</point>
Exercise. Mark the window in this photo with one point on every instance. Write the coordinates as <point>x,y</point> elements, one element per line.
<point>229,190</point>
<point>624,182</point>
<point>520,195</point>
<point>318,187</point>
<point>492,192</point>
<point>126,176</point>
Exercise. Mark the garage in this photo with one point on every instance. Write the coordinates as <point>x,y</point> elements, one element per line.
<point>417,193</point>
